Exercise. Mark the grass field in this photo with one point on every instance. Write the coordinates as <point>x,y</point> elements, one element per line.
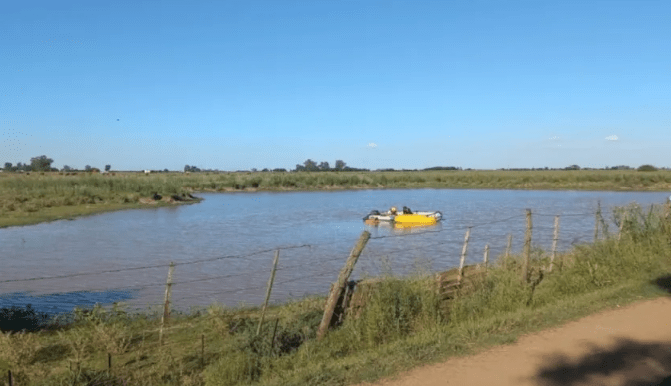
<point>37,197</point>
<point>403,323</point>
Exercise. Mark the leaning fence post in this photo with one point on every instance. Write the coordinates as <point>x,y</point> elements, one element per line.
<point>486,259</point>
<point>339,286</point>
<point>555,237</point>
<point>527,249</point>
<point>166,303</point>
<point>10,377</point>
<point>270,287</point>
<point>464,252</point>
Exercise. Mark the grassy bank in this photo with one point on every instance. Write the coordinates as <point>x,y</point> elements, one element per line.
<point>36,197</point>
<point>403,324</point>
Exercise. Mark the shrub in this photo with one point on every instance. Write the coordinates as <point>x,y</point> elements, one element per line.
<point>647,168</point>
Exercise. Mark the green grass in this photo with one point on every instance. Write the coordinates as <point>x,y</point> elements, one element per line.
<point>37,197</point>
<point>403,323</point>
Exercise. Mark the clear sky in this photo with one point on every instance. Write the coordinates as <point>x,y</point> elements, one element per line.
<point>379,84</point>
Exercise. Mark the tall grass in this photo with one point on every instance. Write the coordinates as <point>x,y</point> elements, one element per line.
<point>23,195</point>
<point>403,322</point>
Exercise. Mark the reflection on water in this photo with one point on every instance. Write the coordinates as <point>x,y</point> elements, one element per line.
<point>227,229</point>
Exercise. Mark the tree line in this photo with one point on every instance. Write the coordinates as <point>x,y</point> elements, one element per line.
<point>43,164</point>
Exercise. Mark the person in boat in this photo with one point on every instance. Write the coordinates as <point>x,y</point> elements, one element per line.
<point>406,210</point>
<point>393,211</point>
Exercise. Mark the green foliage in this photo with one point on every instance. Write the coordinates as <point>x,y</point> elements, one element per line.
<point>234,369</point>
<point>396,308</point>
<point>646,168</point>
<point>41,163</point>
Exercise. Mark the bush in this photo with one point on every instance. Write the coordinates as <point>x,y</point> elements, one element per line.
<point>647,168</point>
<point>397,307</point>
<point>18,318</point>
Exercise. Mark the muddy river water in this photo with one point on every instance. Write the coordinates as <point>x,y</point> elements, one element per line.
<point>223,247</point>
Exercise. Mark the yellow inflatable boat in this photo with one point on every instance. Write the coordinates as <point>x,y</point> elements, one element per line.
<point>407,218</point>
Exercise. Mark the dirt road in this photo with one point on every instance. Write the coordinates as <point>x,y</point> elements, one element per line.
<point>626,346</point>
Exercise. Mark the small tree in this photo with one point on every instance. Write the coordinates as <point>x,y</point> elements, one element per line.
<point>66,168</point>
<point>310,165</point>
<point>87,168</point>
<point>340,165</point>
<point>108,168</point>
<point>8,166</point>
<point>646,168</point>
<point>324,166</point>
<point>41,163</point>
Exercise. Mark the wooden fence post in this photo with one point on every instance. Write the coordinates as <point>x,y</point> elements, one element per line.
<point>597,216</point>
<point>622,221</point>
<point>10,378</point>
<point>339,286</point>
<point>464,252</point>
<point>486,259</point>
<point>527,249</point>
<point>109,363</point>
<point>509,246</point>
<point>555,237</point>
<point>270,287</point>
<point>202,350</point>
<point>166,303</point>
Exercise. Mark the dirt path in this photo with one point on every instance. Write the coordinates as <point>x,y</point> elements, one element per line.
<point>625,346</point>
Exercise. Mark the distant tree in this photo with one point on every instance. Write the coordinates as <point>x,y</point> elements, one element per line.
<point>441,168</point>
<point>41,163</point>
<point>265,170</point>
<point>324,166</point>
<point>8,166</point>
<point>280,169</point>
<point>187,168</point>
<point>23,167</point>
<point>573,167</point>
<point>88,168</point>
<point>108,168</point>
<point>340,165</point>
<point>310,165</point>
<point>254,170</point>
<point>66,168</point>
<point>300,168</point>
<point>646,168</point>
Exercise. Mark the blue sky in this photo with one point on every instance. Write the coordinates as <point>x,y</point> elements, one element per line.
<point>402,84</point>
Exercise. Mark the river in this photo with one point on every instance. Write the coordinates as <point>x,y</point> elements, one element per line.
<point>233,235</point>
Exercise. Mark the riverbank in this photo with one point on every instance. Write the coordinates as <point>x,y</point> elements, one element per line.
<point>402,324</point>
<point>29,198</point>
